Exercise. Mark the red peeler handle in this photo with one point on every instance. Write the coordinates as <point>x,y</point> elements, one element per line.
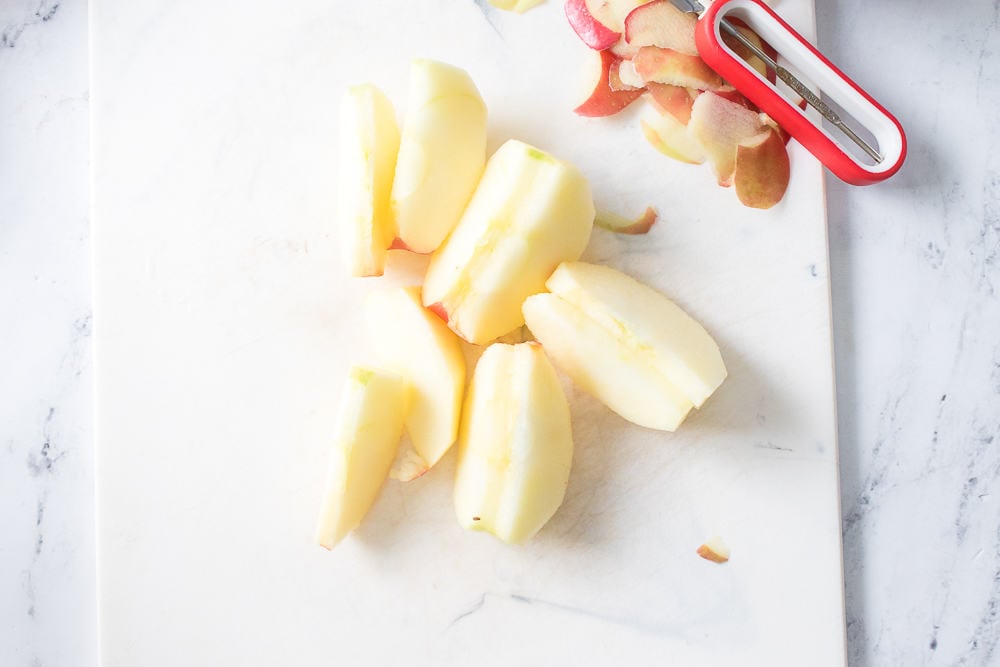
<point>821,72</point>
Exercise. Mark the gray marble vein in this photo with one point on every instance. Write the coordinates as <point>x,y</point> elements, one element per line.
<point>917,328</point>
<point>47,561</point>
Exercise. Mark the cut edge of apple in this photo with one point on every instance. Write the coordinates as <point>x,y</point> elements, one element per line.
<point>714,550</point>
<point>620,224</point>
<point>603,100</point>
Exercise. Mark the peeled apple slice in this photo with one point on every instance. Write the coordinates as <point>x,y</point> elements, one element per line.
<point>625,343</point>
<point>369,425</point>
<point>369,140</point>
<point>683,351</point>
<point>441,154</point>
<point>417,345</point>
<point>516,447</point>
<point>529,213</point>
<point>605,366</point>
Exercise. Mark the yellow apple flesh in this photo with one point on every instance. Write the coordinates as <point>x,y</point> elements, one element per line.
<point>626,344</point>
<point>605,364</point>
<point>671,137</point>
<point>369,425</point>
<point>413,342</point>
<point>684,352</point>
<point>369,141</point>
<point>516,447</point>
<point>529,213</point>
<point>441,154</point>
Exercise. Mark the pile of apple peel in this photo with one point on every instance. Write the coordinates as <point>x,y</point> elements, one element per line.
<point>647,50</point>
<point>504,282</point>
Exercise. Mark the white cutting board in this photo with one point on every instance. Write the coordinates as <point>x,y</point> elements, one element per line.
<point>224,327</point>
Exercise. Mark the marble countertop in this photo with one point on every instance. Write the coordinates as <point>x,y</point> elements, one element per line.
<point>916,315</point>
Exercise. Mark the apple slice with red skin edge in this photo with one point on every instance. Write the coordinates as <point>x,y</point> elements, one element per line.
<point>661,24</point>
<point>438,309</point>
<point>622,76</point>
<point>619,224</point>
<point>674,100</point>
<point>400,244</point>
<point>591,32</point>
<point>676,68</point>
<point>719,126</point>
<point>762,170</point>
<point>530,212</point>
<point>671,137</point>
<point>604,101</point>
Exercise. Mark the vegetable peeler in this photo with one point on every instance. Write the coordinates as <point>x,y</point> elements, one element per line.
<point>854,158</point>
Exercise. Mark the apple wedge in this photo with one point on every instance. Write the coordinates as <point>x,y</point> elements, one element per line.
<point>676,68</point>
<point>762,170</point>
<point>413,342</point>
<point>603,364</point>
<point>671,137</point>
<point>684,352</point>
<point>441,154</point>
<point>603,99</point>
<point>369,425</point>
<point>369,141</point>
<point>625,343</point>
<point>529,213</point>
<point>516,446</point>
<point>661,24</point>
<point>592,32</point>
<point>720,126</point>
